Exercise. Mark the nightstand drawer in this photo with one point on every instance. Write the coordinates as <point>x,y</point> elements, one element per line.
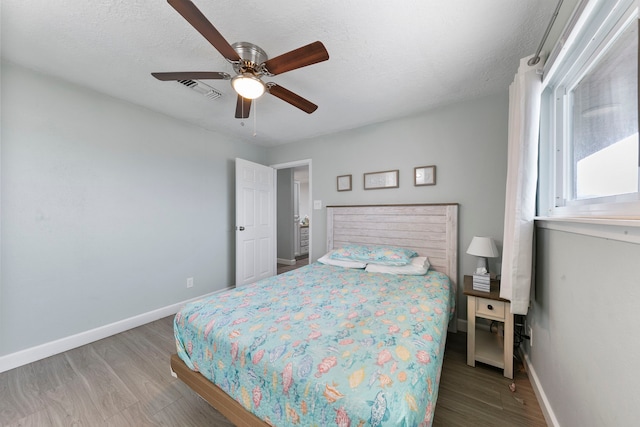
<point>488,307</point>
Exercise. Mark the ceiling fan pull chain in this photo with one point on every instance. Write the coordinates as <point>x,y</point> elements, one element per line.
<point>255,114</point>
<point>242,113</point>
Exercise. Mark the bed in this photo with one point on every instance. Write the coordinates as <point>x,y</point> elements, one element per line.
<point>327,345</point>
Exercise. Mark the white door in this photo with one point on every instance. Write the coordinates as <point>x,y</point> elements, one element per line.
<point>255,222</point>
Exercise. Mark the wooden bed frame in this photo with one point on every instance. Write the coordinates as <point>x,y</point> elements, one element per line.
<point>429,229</point>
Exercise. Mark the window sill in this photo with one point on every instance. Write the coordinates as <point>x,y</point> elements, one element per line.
<point>623,230</point>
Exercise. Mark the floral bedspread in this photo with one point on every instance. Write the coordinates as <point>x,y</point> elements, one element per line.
<point>324,345</point>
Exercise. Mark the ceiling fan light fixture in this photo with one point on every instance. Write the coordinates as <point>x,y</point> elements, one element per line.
<point>248,86</point>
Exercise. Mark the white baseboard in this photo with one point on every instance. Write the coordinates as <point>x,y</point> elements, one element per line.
<point>29,355</point>
<point>543,401</point>
<point>286,261</point>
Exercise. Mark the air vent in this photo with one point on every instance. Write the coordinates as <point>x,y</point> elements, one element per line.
<point>201,88</point>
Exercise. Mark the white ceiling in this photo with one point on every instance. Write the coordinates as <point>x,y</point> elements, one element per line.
<point>387,58</point>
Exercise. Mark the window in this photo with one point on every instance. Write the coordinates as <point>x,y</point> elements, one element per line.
<point>589,154</point>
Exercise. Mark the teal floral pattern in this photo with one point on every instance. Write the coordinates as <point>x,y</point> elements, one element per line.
<point>383,255</point>
<point>324,346</point>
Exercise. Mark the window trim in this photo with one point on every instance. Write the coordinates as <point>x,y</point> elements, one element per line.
<point>594,32</point>
<point>621,230</point>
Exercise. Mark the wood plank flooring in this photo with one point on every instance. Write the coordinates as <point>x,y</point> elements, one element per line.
<point>481,396</point>
<point>300,262</point>
<point>124,380</point>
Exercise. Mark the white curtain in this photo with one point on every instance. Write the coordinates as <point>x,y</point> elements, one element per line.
<point>522,176</point>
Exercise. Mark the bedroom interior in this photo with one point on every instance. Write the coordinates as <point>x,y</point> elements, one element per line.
<point>116,188</point>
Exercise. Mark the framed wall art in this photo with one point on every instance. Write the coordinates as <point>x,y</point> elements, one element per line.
<point>424,175</point>
<point>385,179</point>
<point>344,183</point>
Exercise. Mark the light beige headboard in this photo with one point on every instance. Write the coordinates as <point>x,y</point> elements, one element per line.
<point>429,229</point>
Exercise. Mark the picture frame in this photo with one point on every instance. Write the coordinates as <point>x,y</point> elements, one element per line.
<point>344,183</point>
<point>384,179</point>
<point>424,175</point>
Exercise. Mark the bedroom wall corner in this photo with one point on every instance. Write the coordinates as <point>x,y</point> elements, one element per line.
<point>467,141</point>
<point>107,209</point>
<point>584,305</point>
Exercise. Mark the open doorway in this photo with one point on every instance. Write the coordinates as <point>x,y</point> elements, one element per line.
<point>294,222</point>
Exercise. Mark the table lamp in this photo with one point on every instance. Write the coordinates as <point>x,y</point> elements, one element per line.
<point>483,248</point>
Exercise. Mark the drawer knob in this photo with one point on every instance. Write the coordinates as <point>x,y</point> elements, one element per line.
<point>490,307</point>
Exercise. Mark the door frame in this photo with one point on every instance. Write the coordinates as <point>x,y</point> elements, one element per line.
<point>293,164</point>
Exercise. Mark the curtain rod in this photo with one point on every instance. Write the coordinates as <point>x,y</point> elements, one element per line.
<point>536,57</point>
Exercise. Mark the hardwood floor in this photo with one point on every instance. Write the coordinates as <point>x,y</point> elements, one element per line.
<point>481,396</point>
<point>301,262</point>
<point>124,380</point>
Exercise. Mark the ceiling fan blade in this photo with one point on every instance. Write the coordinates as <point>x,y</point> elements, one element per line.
<point>298,58</point>
<point>191,75</point>
<point>243,105</point>
<point>287,96</point>
<point>193,15</point>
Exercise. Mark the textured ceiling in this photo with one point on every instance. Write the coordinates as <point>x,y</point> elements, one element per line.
<point>387,59</point>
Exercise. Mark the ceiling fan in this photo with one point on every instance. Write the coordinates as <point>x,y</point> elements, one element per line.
<point>249,62</point>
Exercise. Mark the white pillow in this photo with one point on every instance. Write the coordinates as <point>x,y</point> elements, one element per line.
<point>418,267</point>
<point>326,259</point>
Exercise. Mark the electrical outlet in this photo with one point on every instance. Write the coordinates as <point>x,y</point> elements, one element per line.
<point>189,282</point>
<point>530,333</point>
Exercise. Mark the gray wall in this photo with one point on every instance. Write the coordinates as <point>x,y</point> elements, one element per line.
<point>304,199</point>
<point>286,243</point>
<point>107,208</point>
<point>106,203</point>
<point>585,349</point>
<point>467,142</point>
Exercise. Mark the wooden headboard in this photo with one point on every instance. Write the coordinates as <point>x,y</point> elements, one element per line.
<point>429,229</point>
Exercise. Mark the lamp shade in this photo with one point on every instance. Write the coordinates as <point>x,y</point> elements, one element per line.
<point>483,246</point>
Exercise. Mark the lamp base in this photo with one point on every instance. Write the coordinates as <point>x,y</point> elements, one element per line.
<point>482,266</point>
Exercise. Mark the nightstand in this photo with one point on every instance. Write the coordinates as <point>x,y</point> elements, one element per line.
<point>482,345</point>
